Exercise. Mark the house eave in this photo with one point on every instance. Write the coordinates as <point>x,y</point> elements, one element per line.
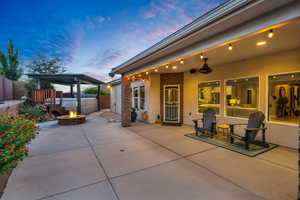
<point>214,17</point>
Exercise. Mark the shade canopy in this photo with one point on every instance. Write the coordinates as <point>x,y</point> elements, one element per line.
<point>66,79</point>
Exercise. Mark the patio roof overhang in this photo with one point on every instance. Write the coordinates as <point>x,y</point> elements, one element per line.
<point>215,29</point>
<point>66,79</point>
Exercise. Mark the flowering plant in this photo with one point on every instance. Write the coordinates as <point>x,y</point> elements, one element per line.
<point>15,134</point>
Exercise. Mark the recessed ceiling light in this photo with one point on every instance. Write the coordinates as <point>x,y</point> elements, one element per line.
<point>261,43</point>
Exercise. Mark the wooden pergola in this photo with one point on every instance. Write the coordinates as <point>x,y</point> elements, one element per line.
<point>70,80</point>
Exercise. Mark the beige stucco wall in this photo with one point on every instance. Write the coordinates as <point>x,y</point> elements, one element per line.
<point>282,62</point>
<point>115,98</point>
<point>154,97</point>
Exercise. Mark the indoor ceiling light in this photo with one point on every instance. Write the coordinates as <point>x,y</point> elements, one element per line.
<point>147,73</point>
<point>261,43</point>
<point>174,67</point>
<point>271,34</point>
<point>230,47</point>
<point>205,68</point>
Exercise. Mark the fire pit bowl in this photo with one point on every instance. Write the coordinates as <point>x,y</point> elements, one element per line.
<point>71,119</point>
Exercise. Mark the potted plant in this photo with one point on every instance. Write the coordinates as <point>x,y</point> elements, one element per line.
<point>133,114</point>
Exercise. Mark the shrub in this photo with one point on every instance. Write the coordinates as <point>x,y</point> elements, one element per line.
<point>38,113</point>
<point>15,134</point>
<point>94,90</point>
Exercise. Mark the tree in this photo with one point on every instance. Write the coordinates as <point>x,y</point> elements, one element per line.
<point>9,64</point>
<point>94,90</point>
<point>46,65</point>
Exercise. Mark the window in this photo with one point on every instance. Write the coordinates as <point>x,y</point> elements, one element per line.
<point>284,98</point>
<point>135,97</point>
<point>242,97</point>
<point>142,97</point>
<point>209,96</point>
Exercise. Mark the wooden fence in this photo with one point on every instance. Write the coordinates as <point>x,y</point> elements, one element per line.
<point>104,101</point>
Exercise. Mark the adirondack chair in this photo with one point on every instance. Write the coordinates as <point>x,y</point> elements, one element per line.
<point>255,125</point>
<point>208,123</point>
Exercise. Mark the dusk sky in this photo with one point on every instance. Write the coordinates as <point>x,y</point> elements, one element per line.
<point>93,36</point>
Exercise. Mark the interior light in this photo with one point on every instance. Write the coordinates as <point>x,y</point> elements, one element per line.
<point>147,73</point>
<point>174,67</point>
<point>167,66</point>
<point>156,70</point>
<point>261,43</point>
<point>293,76</point>
<point>140,75</point>
<point>230,47</point>
<point>274,77</point>
<point>271,34</point>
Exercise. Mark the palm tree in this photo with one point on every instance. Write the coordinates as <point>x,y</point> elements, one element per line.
<point>9,65</point>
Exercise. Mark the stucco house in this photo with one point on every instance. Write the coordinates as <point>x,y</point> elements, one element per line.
<point>241,57</point>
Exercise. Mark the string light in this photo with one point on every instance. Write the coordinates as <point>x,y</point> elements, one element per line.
<point>271,34</point>
<point>201,56</point>
<point>230,47</point>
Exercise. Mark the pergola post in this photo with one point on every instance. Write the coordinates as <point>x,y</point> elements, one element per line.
<point>71,91</point>
<point>126,101</point>
<point>98,98</point>
<point>78,97</point>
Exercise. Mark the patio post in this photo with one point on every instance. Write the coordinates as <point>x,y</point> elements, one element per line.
<point>78,97</point>
<point>71,91</point>
<point>98,97</point>
<point>126,101</point>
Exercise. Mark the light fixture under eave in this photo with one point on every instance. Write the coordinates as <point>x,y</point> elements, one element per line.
<point>205,68</point>
<point>271,34</point>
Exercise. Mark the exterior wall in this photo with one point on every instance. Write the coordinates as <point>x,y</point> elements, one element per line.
<point>154,97</point>
<point>88,105</point>
<point>283,62</point>
<point>115,98</point>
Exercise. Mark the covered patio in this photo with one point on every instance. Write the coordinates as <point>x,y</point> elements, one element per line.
<point>102,160</point>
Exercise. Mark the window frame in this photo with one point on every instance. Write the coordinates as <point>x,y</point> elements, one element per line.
<point>197,96</point>
<point>143,97</point>
<point>237,78</point>
<point>267,99</point>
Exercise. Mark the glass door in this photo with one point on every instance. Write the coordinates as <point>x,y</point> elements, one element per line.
<point>171,103</point>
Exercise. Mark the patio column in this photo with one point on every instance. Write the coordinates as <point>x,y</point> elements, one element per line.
<point>71,91</point>
<point>126,101</point>
<point>78,98</point>
<point>99,97</point>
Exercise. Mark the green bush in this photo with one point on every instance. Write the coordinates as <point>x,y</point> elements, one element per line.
<point>94,90</point>
<point>38,113</point>
<point>15,134</point>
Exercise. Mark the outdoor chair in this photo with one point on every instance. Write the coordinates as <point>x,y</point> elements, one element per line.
<point>255,125</point>
<point>208,123</point>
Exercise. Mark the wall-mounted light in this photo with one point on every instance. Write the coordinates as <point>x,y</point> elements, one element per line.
<point>261,43</point>
<point>201,56</point>
<point>108,86</point>
<point>230,47</point>
<point>271,34</point>
<point>174,67</point>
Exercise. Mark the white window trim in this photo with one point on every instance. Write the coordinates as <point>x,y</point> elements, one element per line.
<point>237,78</point>
<point>197,96</point>
<point>267,100</point>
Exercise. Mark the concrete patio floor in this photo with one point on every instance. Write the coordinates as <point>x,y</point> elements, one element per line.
<point>101,160</point>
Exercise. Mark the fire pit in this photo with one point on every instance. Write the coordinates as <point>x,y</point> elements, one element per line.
<point>71,119</point>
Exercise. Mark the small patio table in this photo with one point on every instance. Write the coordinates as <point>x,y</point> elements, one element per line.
<point>224,129</point>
